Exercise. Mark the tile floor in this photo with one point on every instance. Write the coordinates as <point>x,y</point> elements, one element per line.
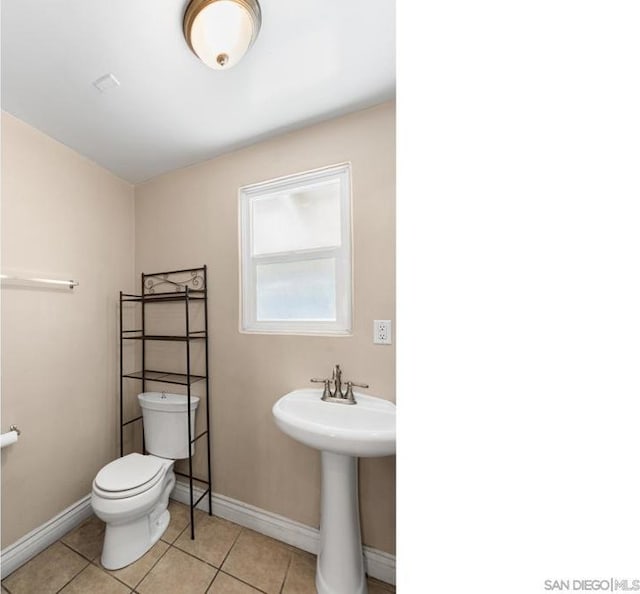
<point>223,559</point>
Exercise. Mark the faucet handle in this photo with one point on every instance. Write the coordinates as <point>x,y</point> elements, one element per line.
<point>326,393</point>
<point>348,395</point>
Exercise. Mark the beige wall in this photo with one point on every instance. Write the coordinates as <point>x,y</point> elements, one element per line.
<point>189,218</point>
<point>64,214</point>
<point>60,214</point>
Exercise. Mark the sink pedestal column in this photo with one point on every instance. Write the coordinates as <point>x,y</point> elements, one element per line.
<point>340,567</point>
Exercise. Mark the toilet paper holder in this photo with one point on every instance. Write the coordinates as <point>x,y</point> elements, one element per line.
<point>9,438</point>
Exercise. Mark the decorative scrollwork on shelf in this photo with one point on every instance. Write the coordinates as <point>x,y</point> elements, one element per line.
<point>194,280</point>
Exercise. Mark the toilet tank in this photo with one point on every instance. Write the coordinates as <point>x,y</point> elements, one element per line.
<point>164,417</point>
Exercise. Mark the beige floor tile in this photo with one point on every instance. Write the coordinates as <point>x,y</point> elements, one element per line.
<point>133,574</point>
<point>225,584</point>
<point>94,580</point>
<point>47,572</point>
<point>214,538</point>
<point>259,561</point>
<point>178,572</point>
<point>379,587</point>
<point>179,520</point>
<point>301,577</point>
<point>87,539</point>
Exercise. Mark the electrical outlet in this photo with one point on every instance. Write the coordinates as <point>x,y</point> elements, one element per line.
<point>382,331</point>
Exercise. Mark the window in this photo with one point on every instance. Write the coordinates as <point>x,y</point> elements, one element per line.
<point>295,252</point>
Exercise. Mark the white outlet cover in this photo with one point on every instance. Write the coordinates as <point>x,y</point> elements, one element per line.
<point>382,331</point>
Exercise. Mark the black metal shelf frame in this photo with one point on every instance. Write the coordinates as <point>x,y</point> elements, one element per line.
<point>168,337</point>
<point>189,286</point>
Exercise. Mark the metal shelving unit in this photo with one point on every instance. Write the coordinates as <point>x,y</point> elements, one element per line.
<point>187,286</point>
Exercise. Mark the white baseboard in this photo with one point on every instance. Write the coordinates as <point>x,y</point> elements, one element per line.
<point>40,538</point>
<point>378,564</point>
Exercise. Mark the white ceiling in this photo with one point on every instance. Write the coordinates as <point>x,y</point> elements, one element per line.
<point>313,60</point>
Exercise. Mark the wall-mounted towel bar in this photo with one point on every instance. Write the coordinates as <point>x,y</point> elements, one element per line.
<point>10,437</point>
<point>49,281</point>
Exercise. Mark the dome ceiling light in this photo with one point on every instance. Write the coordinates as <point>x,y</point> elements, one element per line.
<point>220,32</point>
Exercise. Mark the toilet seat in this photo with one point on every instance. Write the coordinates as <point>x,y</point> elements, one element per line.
<point>128,476</point>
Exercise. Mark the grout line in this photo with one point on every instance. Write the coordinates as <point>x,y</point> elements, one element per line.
<point>211,582</point>
<point>203,560</point>
<point>151,568</point>
<point>286,573</point>
<point>235,577</point>
<point>70,548</point>
<point>74,550</point>
<point>96,563</point>
<point>114,577</point>
<point>77,574</point>
<point>233,544</point>
<point>218,569</point>
<point>181,531</point>
<point>177,536</point>
<point>194,557</point>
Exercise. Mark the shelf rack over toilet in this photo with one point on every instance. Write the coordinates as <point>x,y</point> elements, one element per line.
<point>188,286</point>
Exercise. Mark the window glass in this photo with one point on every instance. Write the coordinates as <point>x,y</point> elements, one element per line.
<point>299,219</point>
<point>304,290</point>
<point>295,253</point>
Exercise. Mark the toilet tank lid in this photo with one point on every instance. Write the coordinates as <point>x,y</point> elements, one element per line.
<point>128,472</point>
<point>166,402</point>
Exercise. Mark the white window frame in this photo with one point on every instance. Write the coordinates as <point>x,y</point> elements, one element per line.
<point>342,326</point>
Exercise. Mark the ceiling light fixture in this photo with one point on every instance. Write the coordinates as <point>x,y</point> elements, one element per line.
<point>220,32</point>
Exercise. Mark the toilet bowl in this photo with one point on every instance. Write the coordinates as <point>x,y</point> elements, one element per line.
<point>131,494</point>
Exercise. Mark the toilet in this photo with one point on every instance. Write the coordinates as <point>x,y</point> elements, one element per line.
<point>131,494</point>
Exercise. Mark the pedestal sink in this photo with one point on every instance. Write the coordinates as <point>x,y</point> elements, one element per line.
<point>342,433</point>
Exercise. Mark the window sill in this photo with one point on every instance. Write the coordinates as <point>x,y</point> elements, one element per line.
<point>320,333</point>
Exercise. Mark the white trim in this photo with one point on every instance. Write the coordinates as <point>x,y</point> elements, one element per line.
<point>40,538</point>
<point>378,564</point>
<point>342,254</point>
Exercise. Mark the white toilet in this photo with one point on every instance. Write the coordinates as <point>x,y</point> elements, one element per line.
<point>131,493</point>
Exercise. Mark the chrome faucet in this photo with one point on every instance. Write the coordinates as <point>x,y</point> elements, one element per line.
<point>333,388</point>
<point>336,376</point>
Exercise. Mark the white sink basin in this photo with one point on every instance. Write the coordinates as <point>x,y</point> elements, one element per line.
<point>342,433</point>
<point>365,429</point>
